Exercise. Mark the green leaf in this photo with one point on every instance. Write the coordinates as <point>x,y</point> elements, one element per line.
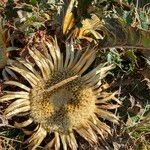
<point>134,119</point>
<point>130,54</point>
<point>33,2</point>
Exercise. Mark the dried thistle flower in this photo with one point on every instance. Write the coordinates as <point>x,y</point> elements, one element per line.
<point>89,26</point>
<point>63,98</point>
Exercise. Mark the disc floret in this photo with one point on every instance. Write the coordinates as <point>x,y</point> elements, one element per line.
<point>64,107</point>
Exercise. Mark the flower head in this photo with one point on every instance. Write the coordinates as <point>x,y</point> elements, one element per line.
<point>87,29</point>
<point>63,97</point>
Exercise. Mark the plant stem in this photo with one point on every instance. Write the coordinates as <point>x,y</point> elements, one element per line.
<point>3,49</point>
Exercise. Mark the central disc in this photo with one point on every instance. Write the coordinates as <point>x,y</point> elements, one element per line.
<point>64,108</point>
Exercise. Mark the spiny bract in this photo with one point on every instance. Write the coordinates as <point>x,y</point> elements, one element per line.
<point>63,97</point>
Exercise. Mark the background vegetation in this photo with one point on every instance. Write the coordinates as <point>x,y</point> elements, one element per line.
<point>121,35</point>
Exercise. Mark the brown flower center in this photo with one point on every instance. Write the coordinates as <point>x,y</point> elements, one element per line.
<point>62,109</point>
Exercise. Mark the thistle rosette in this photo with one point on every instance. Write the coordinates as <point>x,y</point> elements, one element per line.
<point>63,97</point>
